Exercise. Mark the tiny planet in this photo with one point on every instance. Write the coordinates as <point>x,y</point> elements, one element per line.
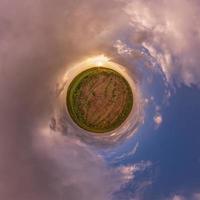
<point>99,99</point>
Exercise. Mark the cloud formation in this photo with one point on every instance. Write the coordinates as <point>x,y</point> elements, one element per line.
<point>195,196</point>
<point>170,31</point>
<point>39,41</point>
<point>158,119</point>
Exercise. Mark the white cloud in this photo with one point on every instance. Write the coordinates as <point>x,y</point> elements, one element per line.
<point>122,48</point>
<point>177,197</point>
<point>77,173</point>
<point>158,119</point>
<point>39,40</point>
<point>194,196</point>
<point>170,31</point>
<point>128,172</point>
<point>128,154</point>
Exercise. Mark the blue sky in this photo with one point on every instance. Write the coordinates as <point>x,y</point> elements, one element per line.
<point>173,149</point>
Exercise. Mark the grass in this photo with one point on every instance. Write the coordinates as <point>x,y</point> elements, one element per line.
<point>99,99</point>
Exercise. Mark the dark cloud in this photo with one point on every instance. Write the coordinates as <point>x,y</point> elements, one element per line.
<point>38,39</point>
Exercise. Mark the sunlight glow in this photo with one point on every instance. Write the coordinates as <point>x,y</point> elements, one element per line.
<point>99,61</point>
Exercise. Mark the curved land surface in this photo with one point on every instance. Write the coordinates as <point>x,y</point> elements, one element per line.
<point>99,99</point>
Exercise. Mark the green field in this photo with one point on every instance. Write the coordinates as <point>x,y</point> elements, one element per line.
<point>99,99</point>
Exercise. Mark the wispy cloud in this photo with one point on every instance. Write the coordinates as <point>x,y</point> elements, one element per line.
<point>170,31</point>
<point>129,171</point>
<point>127,155</point>
<point>194,196</point>
<point>158,119</point>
